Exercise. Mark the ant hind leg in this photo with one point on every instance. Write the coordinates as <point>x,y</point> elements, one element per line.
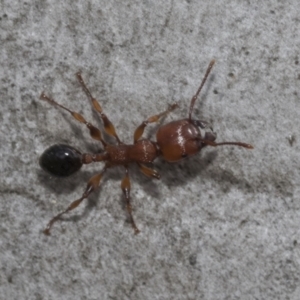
<point>108,125</point>
<point>94,131</point>
<point>92,184</point>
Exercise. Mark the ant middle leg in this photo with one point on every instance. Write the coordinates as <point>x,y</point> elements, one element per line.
<point>140,129</point>
<point>149,171</point>
<point>108,125</point>
<point>94,131</point>
<point>125,186</point>
<point>92,184</point>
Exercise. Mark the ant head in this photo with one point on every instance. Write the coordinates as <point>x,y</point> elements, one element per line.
<point>210,136</point>
<point>205,135</point>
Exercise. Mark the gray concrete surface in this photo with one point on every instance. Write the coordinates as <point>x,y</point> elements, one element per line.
<point>221,225</point>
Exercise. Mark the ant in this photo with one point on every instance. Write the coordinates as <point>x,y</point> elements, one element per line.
<point>174,141</point>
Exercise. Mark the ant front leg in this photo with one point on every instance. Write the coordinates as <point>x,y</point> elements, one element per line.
<point>125,186</point>
<point>92,184</point>
<point>108,125</point>
<point>94,131</point>
<point>140,130</point>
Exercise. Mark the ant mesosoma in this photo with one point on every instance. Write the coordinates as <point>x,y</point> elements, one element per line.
<point>174,141</point>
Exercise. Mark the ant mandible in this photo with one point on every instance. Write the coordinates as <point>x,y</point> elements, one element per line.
<point>174,141</point>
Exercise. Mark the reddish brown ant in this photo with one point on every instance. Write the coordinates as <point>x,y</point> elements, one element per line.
<point>174,141</point>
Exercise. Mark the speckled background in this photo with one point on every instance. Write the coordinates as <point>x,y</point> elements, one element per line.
<point>221,225</point>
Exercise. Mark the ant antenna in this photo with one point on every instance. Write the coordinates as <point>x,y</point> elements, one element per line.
<point>200,88</point>
<point>213,144</point>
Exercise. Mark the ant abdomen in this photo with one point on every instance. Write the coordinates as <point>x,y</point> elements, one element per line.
<point>61,160</point>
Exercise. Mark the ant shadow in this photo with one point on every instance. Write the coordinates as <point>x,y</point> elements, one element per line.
<point>197,167</point>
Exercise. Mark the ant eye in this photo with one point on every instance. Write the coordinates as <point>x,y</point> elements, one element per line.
<point>61,160</point>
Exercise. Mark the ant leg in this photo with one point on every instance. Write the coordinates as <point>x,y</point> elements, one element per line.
<point>211,64</point>
<point>108,125</point>
<point>94,132</point>
<point>125,186</point>
<point>149,171</point>
<point>92,184</point>
<point>140,130</point>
